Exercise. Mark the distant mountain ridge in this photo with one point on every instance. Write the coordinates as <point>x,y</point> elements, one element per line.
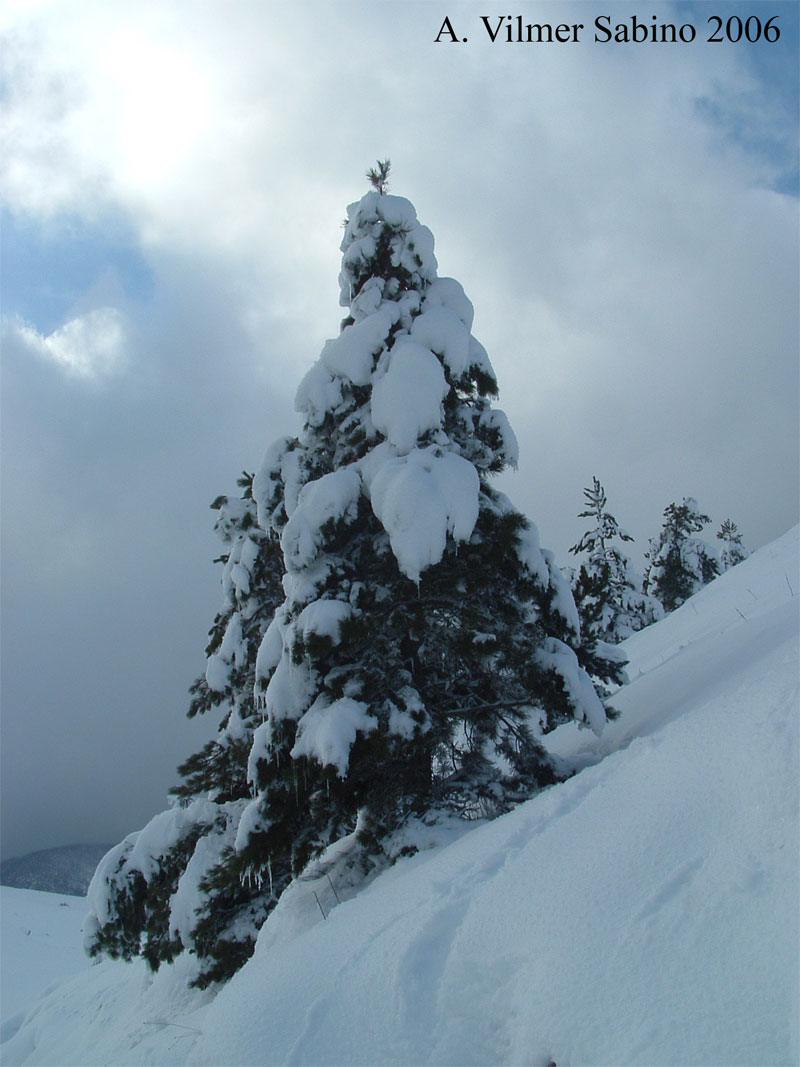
<point>67,869</point>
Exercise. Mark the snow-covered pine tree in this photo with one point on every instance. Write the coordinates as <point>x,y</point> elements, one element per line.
<point>607,592</point>
<point>423,643</point>
<point>732,551</point>
<point>680,564</point>
<point>426,639</point>
<point>145,895</point>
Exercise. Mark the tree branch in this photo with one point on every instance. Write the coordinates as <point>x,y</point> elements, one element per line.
<point>475,708</point>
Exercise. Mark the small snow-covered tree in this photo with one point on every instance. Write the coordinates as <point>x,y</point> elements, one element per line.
<point>732,551</point>
<point>607,591</point>
<point>421,645</point>
<point>680,564</point>
<point>177,883</point>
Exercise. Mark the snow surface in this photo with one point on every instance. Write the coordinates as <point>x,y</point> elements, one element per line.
<point>41,944</point>
<point>328,730</point>
<point>448,293</point>
<point>333,497</point>
<point>443,332</point>
<point>419,499</point>
<point>643,912</point>
<point>351,354</point>
<point>407,398</point>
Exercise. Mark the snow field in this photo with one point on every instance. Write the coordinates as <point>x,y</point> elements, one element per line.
<point>643,912</point>
<point>40,944</point>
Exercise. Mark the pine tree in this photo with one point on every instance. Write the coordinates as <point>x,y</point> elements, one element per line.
<point>424,644</point>
<point>146,891</point>
<point>680,564</point>
<point>733,551</point>
<point>425,638</point>
<point>607,591</point>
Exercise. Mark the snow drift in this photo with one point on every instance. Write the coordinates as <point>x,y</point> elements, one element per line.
<point>644,912</point>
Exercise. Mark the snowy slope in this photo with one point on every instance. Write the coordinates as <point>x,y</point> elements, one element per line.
<point>645,912</point>
<point>40,944</point>
<point>727,623</point>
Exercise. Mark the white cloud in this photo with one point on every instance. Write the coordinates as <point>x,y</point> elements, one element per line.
<point>89,346</point>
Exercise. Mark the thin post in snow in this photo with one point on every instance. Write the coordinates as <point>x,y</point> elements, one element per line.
<point>324,916</point>
<point>739,613</point>
<point>333,887</point>
<point>786,576</point>
<point>166,1022</point>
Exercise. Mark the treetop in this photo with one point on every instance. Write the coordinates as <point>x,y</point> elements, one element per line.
<point>379,175</point>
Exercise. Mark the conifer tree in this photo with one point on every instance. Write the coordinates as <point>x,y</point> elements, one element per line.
<point>607,592</point>
<point>425,639</point>
<point>178,882</point>
<point>423,645</point>
<point>680,564</point>
<point>732,551</point>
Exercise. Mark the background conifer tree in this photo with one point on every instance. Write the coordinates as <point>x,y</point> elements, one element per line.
<point>732,551</point>
<point>422,643</point>
<point>680,564</point>
<point>607,591</point>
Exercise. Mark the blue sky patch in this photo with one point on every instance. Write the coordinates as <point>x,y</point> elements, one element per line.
<point>774,64</point>
<point>52,268</point>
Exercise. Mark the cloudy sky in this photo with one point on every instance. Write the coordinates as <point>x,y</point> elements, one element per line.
<point>173,177</point>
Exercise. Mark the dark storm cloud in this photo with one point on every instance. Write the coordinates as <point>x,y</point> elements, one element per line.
<point>108,585</point>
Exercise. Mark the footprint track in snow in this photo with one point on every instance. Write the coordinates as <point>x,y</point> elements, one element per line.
<point>671,888</point>
<point>422,966</point>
